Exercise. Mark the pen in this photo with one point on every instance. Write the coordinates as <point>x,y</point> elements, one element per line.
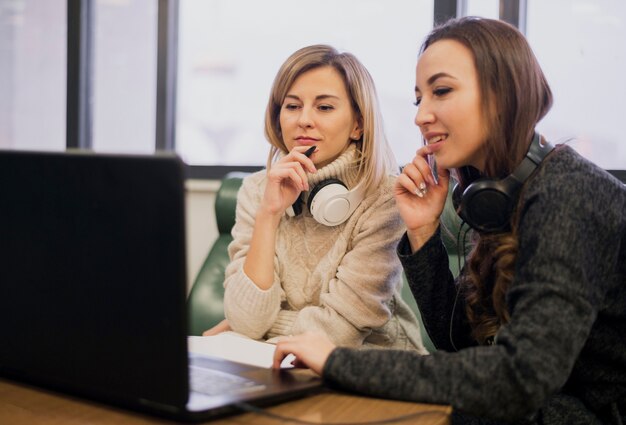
<point>296,208</point>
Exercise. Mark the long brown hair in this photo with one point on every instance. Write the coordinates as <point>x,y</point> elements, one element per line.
<point>515,96</point>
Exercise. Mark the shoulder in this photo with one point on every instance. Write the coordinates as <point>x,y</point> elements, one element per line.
<point>252,186</point>
<point>383,193</point>
<point>381,201</point>
<point>566,186</point>
<point>565,174</point>
<point>379,207</point>
<point>255,178</point>
<point>572,219</point>
<point>254,181</point>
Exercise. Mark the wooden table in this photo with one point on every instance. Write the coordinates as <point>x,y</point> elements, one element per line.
<point>25,405</point>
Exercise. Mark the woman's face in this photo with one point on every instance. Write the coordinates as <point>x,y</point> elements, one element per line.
<point>450,115</point>
<point>317,111</point>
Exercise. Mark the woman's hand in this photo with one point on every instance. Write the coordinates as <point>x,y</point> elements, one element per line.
<point>222,326</point>
<point>420,199</point>
<point>311,350</point>
<point>286,179</point>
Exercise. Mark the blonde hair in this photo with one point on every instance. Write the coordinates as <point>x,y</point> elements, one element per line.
<point>375,160</point>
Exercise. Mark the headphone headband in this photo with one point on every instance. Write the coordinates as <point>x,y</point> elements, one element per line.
<point>537,151</point>
<point>487,204</point>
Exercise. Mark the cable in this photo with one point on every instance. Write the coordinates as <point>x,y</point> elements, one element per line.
<point>462,244</point>
<point>246,407</point>
<point>461,253</point>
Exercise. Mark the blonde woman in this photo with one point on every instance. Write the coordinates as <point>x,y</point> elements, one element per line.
<point>315,233</point>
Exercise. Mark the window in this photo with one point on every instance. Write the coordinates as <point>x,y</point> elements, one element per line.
<point>124,79</point>
<point>484,8</point>
<point>32,74</point>
<point>230,50</point>
<point>579,44</point>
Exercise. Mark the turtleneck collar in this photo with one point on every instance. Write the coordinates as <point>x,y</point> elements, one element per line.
<point>343,168</point>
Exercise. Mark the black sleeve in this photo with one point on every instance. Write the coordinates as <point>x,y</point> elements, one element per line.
<point>565,247</point>
<point>435,291</point>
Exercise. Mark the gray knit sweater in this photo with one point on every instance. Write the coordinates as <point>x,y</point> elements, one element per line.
<point>562,357</point>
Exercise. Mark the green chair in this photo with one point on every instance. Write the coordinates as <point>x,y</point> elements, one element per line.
<point>205,302</point>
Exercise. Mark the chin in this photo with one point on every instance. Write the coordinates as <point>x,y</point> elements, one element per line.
<point>441,162</point>
<point>448,161</point>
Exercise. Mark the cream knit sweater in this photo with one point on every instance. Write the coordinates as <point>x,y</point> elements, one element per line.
<point>342,280</point>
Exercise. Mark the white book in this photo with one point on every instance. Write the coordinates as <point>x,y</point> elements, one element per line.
<point>237,348</point>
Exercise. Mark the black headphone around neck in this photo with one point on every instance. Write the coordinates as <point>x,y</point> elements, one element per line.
<point>487,204</point>
<point>329,202</point>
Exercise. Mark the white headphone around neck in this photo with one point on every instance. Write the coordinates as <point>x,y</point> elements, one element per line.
<point>330,202</point>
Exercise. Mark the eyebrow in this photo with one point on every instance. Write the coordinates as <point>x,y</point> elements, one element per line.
<point>434,78</point>
<point>318,97</point>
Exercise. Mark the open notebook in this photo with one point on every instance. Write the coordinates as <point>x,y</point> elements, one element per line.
<point>93,288</point>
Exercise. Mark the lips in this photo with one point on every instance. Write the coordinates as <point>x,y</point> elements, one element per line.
<point>306,140</point>
<point>436,139</point>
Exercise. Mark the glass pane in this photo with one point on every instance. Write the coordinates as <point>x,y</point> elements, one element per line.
<point>33,75</point>
<point>483,8</point>
<point>228,59</point>
<point>584,59</point>
<point>124,80</point>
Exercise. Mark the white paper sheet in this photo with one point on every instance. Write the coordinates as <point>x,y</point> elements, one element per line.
<point>236,347</point>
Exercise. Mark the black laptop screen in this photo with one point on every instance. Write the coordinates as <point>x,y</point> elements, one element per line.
<point>92,273</point>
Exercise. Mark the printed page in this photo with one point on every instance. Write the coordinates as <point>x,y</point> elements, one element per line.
<point>236,347</point>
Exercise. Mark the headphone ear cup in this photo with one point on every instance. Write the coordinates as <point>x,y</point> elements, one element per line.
<point>485,206</point>
<point>325,205</point>
<point>457,198</point>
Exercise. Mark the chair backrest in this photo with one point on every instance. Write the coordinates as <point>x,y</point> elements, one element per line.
<point>205,302</point>
<point>455,234</point>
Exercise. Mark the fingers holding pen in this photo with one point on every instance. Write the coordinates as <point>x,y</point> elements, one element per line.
<point>420,197</point>
<point>417,176</point>
<point>302,155</point>
<point>413,180</point>
<point>306,152</point>
<point>294,167</point>
<point>290,173</point>
<point>424,160</point>
<point>287,178</point>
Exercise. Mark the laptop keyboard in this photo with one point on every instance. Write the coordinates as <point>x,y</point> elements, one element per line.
<point>215,382</point>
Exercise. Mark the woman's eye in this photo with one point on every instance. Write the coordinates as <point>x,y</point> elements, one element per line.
<point>326,107</point>
<point>291,106</point>
<point>442,91</point>
<point>417,101</point>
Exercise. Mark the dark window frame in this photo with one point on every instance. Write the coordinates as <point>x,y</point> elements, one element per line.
<point>79,74</point>
<point>167,60</point>
<point>620,174</point>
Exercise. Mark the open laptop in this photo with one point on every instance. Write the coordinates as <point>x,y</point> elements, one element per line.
<point>93,286</point>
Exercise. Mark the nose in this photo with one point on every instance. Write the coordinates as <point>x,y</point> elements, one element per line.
<point>424,115</point>
<point>305,119</point>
